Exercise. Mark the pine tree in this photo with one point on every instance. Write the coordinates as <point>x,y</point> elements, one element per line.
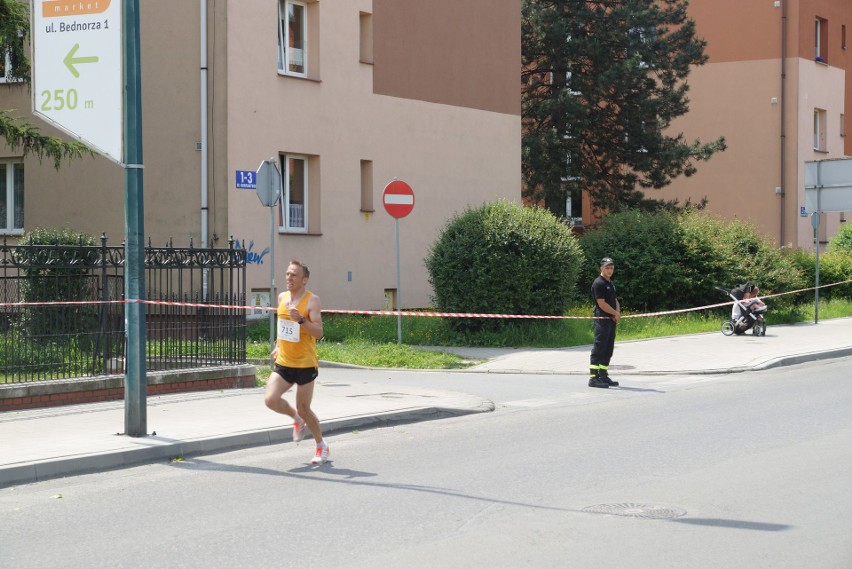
<point>14,26</point>
<point>602,82</point>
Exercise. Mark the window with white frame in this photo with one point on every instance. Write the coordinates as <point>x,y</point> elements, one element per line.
<point>294,202</point>
<point>574,207</point>
<point>7,63</point>
<point>821,40</point>
<point>643,40</point>
<point>293,38</point>
<point>6,68</point>
<point>11,196</point>
<point>819,130</point>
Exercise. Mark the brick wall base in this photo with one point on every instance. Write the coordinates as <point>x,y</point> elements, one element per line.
<point>109,388</point>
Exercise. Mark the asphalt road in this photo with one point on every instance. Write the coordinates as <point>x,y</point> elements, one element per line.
<point>746,470</point>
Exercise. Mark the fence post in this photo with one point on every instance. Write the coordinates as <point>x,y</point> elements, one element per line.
<point>102,317</point>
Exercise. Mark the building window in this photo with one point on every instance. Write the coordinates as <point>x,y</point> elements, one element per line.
<point>5,68</point>
<point>6,63</point>
<point>642,42</point>
<point>293,38</point>
<point>294,202</point>
<point>366,23</point>
<point>569,79</point>
<point>11,197</point>
<point>821,40</point>
<point>843,36</point>
<point>574,207</point>
<point>819,130</point>
<point>367,185</point>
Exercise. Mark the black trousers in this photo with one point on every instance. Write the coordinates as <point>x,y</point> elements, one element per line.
<point>604,341</point>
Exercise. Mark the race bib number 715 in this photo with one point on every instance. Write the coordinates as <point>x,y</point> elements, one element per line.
<point>288,330</point>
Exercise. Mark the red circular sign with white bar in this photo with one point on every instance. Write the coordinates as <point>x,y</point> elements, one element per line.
<point>398,199</point>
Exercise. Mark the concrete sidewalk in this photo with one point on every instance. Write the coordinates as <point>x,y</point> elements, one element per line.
<point>39,444</point>
<point>691,354</point>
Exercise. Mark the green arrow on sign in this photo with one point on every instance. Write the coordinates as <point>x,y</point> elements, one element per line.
<point>70,61</point>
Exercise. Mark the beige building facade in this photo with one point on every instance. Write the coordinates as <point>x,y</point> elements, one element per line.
<point>343,96</point>
<point>778,87</point>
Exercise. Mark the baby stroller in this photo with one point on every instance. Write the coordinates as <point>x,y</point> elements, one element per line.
<point>747,313</point>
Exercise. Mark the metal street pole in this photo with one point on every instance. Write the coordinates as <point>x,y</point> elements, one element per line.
<point>135,381</point>
<point>273,298</point>
<point>815,221</point>
<point>398,286</point>
<point>268,188</point>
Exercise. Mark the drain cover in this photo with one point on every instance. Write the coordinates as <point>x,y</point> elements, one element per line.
<point>636,511</point>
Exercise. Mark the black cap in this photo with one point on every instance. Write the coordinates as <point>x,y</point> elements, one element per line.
<point>607,261</point>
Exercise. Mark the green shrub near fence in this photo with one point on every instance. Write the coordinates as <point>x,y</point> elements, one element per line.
<point>58,273</point>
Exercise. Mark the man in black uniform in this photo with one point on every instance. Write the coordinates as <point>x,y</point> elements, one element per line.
<point>607,313</point>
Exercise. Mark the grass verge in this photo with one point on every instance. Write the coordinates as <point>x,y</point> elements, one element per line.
<point>372,341</point>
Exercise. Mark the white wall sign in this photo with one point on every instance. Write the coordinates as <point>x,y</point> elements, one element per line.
<point>77,70</point>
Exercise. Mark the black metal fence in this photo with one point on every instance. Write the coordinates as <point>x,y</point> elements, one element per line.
<point>84,336</point>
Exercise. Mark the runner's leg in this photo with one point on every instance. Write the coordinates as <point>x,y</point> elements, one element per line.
<point>304,396</point>
<point>275,388</point>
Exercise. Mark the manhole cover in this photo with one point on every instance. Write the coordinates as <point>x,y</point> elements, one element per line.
<point>636,511</point>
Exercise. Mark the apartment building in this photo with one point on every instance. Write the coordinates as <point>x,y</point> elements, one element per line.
<point>778,87</point>
<point>343,96</point>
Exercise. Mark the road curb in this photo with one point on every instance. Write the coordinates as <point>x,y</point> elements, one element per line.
<point>768,364</point>
<point>38,471</point>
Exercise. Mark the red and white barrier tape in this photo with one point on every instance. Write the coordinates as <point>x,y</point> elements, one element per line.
<point>399,312</point>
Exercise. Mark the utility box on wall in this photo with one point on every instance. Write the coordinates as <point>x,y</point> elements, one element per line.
<point>259,297</point>
<point>390,299</point>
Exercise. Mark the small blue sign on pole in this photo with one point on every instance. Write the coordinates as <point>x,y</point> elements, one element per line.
<point>246,180</point>
<point>802,212</point>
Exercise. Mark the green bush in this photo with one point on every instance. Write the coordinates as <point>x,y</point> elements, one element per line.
<point>740,253</point>
<point>673,261</point>
<point>503,258</point>
<point>57,267</point>
<point>649,254</point>
<point>834,266</point>
<point>842,240</point>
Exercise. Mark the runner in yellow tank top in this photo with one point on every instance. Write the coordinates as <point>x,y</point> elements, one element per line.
<point>296,348</point>
<point>295,357</point>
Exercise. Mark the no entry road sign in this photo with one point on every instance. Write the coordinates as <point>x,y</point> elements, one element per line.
<point>398,199</point>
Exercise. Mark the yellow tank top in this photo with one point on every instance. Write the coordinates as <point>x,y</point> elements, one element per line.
<point>301,353</point>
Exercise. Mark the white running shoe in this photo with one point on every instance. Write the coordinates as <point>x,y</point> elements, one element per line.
<point>321,455</point>
<point>300,429</point>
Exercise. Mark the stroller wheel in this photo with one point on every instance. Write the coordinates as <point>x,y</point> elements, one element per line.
<point>759,329</point>
<point>728,327</point>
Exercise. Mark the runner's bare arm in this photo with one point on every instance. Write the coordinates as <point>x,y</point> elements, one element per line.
<point>313,325</point>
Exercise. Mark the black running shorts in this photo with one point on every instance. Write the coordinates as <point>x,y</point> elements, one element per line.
<point>297,375</point>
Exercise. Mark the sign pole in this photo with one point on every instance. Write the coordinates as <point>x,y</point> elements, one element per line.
<point>135,381</point>
<point>828,188</point>
<point>398,286</point>
<point>272,296</point>
<point>398,199</point>
<point>268,188</point>
<point>815,222</point>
